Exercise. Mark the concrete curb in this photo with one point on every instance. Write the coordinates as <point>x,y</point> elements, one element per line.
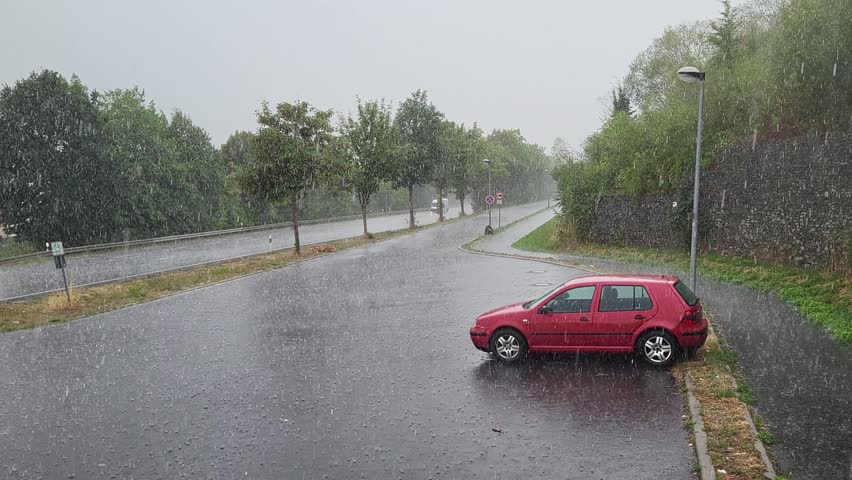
<point>708,472</point>
<point>522,257</point>
<point>758,444</point>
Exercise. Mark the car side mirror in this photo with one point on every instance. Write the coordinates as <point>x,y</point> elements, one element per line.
<point>545,309</point>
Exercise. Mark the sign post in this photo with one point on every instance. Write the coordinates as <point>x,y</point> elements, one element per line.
<point>499,205</point>
<point>58,252</point>
<point>489,200</point>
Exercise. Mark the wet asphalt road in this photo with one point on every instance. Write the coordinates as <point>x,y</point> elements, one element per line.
<point>40,275</point>
<point>801,378</point>
<point>354,365</point>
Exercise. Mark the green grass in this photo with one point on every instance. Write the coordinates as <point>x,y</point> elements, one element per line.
<point>766,437</point>
<point>745,392</point>
<point>825,298</point>
<point>11,247</point>
<point>542,239</point>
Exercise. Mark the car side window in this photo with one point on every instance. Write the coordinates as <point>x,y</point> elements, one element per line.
<point>621,298</point>
<point>574,300</point>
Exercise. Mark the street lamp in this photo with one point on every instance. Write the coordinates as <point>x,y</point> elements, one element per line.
<point>488,162</point>
<point>691,75</point>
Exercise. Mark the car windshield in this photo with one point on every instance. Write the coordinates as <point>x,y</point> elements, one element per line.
<point>531,303</point>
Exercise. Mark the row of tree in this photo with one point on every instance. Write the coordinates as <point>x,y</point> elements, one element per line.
<point>774,69</point>
<point>87,167</point>
<point>297,148</point>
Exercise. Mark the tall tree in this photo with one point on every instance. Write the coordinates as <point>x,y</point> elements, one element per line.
<point>371,142</point>
<point>200,175</point>
<point>238,206</point>
<point>289,153</point>
<point>621,102</point>
<point>54,182</point>
<point>449,153</point>
<point>812,65</point>
<point>418,123</point>
<point>236,150</point>
<point>467,163</point>
<point>651,81</point>
<point>724,34</point>
<point>138,145</point>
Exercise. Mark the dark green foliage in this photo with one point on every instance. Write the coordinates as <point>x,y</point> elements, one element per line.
<point>55,181</point>
<point>774,70</point>
<point>371,142</point>
<point>725,33</point>
<point>87,168</point>
<point>621,102</point>
<point>289,153</point>
<point>418,123</point>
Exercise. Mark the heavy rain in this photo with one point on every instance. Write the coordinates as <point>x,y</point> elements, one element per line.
<point>568,240</point>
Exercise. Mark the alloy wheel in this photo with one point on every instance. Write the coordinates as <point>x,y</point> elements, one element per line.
<point>657,349</point>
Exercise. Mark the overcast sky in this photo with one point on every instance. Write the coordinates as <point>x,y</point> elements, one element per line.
<point>544,67</point>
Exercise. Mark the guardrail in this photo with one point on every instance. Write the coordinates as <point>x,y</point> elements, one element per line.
<point>193,236</point>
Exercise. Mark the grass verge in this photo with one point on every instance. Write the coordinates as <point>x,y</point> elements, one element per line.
<point>11,247</point>
<point>822,297</point>
<point>87,301</point>
<point>730,441</point>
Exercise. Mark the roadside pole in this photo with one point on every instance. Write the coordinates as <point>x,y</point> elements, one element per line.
<point>58,252</point>
<point>489,200</point>
<point>499,206</point>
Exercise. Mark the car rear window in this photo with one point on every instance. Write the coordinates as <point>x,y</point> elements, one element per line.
<point>623,298</point>
<point>685,293</point>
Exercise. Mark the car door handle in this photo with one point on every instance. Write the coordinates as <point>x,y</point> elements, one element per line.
<point>584,319</point>
<point>639,317</point>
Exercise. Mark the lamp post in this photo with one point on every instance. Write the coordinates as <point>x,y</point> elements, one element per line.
<point>547,189</point>
<point>691,75</point>
<point>488,162</point>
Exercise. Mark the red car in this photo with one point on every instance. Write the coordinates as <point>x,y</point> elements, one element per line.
<point>652,315</point>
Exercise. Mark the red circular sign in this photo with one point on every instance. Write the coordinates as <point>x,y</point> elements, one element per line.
<point>489,199</point>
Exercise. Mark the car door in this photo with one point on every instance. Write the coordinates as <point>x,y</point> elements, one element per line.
<point>621,310</point>
<point>563,321</point>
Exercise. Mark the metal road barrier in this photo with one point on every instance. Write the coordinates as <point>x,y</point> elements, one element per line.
<point>192,236</point>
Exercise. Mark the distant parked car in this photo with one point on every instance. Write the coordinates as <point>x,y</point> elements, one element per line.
<point>434,207</point>
<point>654,316</point>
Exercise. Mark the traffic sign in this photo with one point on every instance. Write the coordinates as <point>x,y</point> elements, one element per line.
<point>499,195</point>
<point>58,252</point>
<point>489,199</point>
<point>499,201</point>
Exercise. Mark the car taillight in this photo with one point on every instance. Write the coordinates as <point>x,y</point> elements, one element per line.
<point>692,314</point>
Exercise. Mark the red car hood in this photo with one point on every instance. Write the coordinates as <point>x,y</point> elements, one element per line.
<point>505,309</point>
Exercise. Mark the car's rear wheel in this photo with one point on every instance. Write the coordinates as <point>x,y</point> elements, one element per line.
<point>508,345</point>
<point>657,347</point>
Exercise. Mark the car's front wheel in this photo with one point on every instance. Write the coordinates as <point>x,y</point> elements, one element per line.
<point>657,347</point>
<point>508,345</point>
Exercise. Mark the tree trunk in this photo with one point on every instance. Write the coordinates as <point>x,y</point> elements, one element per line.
<point>461,200</point>
<point>440,205</point>
<point>411,225</point>
<point>364,216</point>
<point>296,226</point>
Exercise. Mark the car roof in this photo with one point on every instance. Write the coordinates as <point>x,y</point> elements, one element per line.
<point>623,277</point>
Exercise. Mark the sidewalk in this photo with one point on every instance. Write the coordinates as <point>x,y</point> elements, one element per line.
<point>802,379</point>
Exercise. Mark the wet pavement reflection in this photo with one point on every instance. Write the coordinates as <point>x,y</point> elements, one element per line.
<point>355,365</point>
